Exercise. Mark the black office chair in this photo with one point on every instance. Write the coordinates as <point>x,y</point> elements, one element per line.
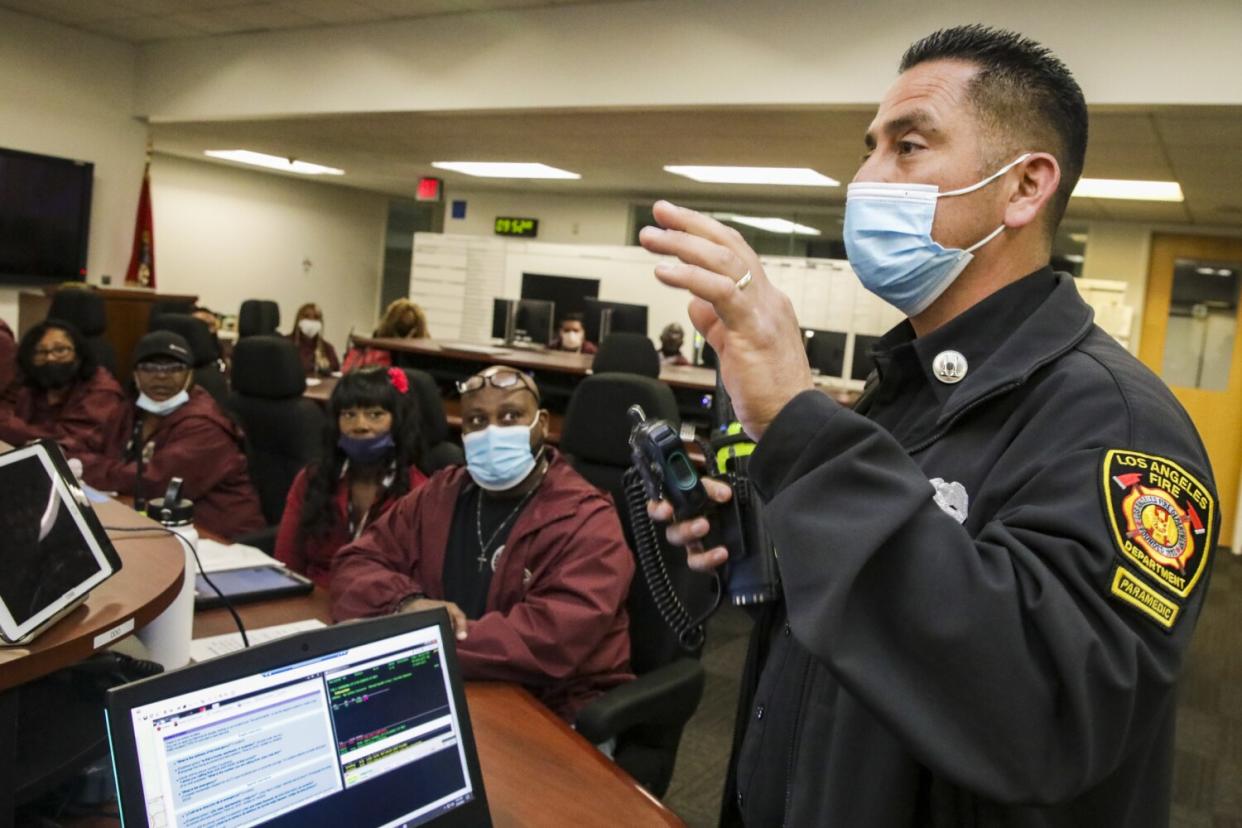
<point>626,353</point>
<point>158,309</point>
<point>284,430</point>
<point>647,715</point>
<point>258,317</point>
<point>85,309</point>
<point>208,367</point>
<point>439,450</point>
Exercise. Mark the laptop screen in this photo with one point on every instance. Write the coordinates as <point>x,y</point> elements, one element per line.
<point>369,735</point>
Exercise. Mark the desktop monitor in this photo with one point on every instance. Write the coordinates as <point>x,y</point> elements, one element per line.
<point>825,350</point>
<point>523,320</point>
<point>362,724</point>
<point>862,365</point>
<point>603,318</point>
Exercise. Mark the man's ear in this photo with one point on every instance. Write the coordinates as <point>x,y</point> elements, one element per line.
<point>1039,177</point>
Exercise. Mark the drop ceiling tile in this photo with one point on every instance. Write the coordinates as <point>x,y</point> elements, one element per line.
<point>336,11</point>
<point>140,29</point>
<point>1195,131</point>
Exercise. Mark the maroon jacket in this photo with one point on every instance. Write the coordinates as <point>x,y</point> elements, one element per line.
<point>306,350</point>
<point>198,443</point>
<point>555,620</point>
<point>8,360</point>
<point>73,422</point>
<point>312,556</point>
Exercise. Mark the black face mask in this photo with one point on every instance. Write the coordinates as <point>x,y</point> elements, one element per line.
<point>54,375</point>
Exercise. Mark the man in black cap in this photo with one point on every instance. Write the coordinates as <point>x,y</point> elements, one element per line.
<point>180,432</point>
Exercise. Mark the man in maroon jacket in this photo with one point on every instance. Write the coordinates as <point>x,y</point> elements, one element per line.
<point>525,555</point>
<point>180,432</point>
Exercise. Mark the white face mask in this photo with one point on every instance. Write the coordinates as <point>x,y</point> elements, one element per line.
<point>310,328</point>
<point>166,407</point>
<point>571,340</point>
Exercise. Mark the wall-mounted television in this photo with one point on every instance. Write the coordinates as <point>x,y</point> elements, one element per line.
<point>45,217</point>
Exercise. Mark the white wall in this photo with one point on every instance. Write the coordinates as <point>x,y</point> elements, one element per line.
<point>229,234</point>
<point>1121,251</point>
<point>67,93</point>
<point>562,219</point>
<point>678,52</point>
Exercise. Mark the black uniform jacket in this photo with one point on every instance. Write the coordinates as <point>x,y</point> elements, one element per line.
<point>982,649</point>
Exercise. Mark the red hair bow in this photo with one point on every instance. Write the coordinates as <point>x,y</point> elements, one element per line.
<point>399,380</point>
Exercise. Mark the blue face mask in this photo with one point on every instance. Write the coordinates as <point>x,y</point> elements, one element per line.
<point>499,457</point>
<point>366,450</point>
<point>889,244</point>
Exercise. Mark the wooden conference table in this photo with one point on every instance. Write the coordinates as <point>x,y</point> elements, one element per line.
<point>536,769</point>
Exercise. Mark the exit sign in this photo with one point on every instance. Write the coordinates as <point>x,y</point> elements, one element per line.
<point>525,228</point>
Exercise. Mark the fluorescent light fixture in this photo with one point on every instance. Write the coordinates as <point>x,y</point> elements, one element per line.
<point>1129,190</point>
<point>771,224</point>
<point>1074,257</point>
<point>1078,238</point>
<point>779,176</point>
<point>273,162</point>
<point>504,169</point>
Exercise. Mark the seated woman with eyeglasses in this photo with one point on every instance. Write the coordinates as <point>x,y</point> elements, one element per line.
<point>372,447</point>
<point>62,394</point>
<point>179,431</point>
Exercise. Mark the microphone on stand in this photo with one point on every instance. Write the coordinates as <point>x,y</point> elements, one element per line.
<point>140,502</point>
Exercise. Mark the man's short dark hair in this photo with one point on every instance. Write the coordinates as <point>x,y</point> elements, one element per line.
<point>1023,93</point>
<point>573,317</point>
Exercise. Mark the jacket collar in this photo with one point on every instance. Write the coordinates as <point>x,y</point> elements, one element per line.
<point>1005,338</point>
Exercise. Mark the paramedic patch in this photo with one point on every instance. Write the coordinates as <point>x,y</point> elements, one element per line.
<point>1161,517</point>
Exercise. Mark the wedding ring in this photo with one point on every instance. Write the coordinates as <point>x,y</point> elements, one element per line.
<point>744,281</point>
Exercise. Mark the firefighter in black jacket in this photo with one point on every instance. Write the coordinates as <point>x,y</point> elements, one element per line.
<point>993,566</point>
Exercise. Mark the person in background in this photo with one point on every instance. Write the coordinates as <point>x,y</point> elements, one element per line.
<point>63,394</point>
<point>211,319</point>
<point>370,460</point>
<point>525,555</point>
<point>180,432</point>
<point>8,361</point>
<point>318,355</point>
<point>671,340</point>
<point>402,320</point>
<point>572,336</point>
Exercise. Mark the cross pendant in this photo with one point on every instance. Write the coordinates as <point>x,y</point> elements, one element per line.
<point>482,559</point>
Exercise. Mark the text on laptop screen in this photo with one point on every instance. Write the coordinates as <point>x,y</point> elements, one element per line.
<point>367,736</point>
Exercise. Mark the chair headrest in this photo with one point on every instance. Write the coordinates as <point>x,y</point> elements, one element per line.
<point>430,406</point>
<point>81,306</point>
<point>195,331</point>
<point>627,353</point>
<point>597,425</point>
<point>167,306</point>
<point>267,367</point>
<point>258,317</point>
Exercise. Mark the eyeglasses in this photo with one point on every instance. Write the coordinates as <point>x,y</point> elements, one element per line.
<point>504,380</point>
<point>58,351</point>
<point>160,368</point>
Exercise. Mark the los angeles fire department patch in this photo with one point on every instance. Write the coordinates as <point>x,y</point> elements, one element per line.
<point>1161,517</point>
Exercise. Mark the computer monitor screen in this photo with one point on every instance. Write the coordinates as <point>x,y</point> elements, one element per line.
<point>825,350</point>
<point>862,365</point>
<point>374,733</point>
<point>533,321</point>
<point>500,316</point>
<point>568,293</point>
<point>603,318</point>
<point>53,548</point>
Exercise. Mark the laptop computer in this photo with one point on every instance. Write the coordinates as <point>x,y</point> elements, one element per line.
<point>53,550</point>
<point>362,724</point>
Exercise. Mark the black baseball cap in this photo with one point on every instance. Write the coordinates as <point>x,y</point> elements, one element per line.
<point>163,344</point>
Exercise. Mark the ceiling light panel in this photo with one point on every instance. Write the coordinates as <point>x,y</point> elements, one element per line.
<point>775,176</point>
<point>1128,190</point>
<point>273,162</point>
<point>504,169</point>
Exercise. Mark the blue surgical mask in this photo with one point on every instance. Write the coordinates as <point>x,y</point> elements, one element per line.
<point>165,407</point>
<point>889,243</point>
<point>499,457</point>
<point>366,450</point>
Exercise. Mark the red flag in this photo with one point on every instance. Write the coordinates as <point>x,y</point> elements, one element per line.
<point>142,259</point>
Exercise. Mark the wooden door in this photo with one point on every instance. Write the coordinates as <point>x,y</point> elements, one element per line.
<point>1191,339</point>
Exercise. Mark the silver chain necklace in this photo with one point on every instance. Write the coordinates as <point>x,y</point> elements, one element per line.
<point>478,524</point>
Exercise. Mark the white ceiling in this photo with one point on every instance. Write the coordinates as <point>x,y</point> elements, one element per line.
<point>623,152</point>
<point>139,21</point>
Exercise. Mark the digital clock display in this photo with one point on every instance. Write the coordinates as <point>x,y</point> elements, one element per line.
<point>525,228</point>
